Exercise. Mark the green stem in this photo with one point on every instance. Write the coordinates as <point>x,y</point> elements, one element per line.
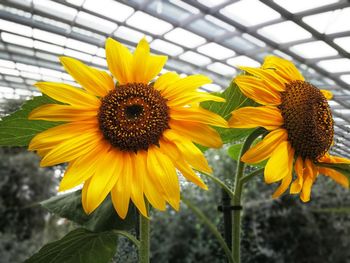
<point>238,186</point>
<point>220,183</point>
<point>246,178</point>
<point>211,227</point>
<point>144,238</point>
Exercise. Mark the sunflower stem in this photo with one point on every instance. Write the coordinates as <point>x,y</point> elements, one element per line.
<point>238,186</point>
<point>220,183</point>
<point>211,227</point>
<point>246,178</point>
<point>144,237</point>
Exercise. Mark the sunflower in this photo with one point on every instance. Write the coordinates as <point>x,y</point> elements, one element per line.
<point>299,123</point>
<point>128,138</point>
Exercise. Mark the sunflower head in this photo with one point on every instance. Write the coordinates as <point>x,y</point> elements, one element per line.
<point>128,138</point>
<point>299,121</point>
<point>307,119</point>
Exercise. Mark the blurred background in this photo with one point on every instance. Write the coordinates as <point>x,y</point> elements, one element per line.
<point>209,37</point>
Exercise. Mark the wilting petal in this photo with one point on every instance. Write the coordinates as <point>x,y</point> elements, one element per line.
<point>297,185</point>
<point>335,175</point>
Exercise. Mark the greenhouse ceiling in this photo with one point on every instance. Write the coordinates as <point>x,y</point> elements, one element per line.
<point>210,37</point>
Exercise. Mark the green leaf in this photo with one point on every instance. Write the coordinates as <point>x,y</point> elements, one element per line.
<point>78,246</point>
<point>17,130</point>
<point>234,100</point>
<point>103,218</point>
<point>234,150</point>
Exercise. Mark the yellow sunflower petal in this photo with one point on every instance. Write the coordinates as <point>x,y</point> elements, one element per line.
<point>197,132</point>
<point>264,149</point>
<point>284,68</point>
<point>55,135</point>
<point>284,185</point>
<point>255,89</point>
<point>280,163</point>
<point>71,149</point>
<point>328,94</point>
<point>137,185</point>
<point>153,193</point>
<point>165,175</point>
<point>121,192</point>
<point>306,190</point>
<point>327,158</point>
<point>189,151</point>
<point>56,112</point>
<point>170,149</point>
<point>197,114</point>
<point>185,85</point>
<point>335,175</point>
<point>95,81</point>
<point>297,185</point>
<point>146,66</point>
<point>119,59</point>
<point>269,77</point>
<point>108,170</point>
<point>268,117</point>
<point>165,80</point>
<point>310,174</point>
<point>193,98</point>
<point>84,194</point>
<point>68,94</point>
<point>83,168</point>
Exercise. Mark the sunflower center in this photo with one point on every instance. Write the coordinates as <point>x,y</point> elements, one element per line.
<point>133,117</point>
<point>307,119</point>
<point>133,111</point>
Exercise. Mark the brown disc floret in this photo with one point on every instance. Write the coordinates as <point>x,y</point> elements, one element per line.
<point>133,117</point>
<point>307,119</point>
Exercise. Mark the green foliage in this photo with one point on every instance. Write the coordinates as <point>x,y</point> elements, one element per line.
<point>234,100</point>
<point>78,246</point>
<point>24,225</point>
<point>17,130</point>
<point>234,151</point>
<point>103,218</point>
<point>22,183</point>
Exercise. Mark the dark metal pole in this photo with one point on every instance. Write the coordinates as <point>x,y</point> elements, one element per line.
<point>226,209</point>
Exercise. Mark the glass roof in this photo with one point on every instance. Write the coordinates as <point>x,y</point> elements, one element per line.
<point>203,36</point>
